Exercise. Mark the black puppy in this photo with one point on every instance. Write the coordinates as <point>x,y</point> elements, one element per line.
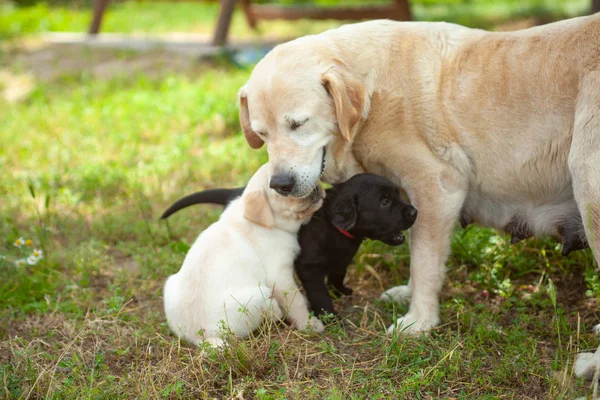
<point>365,206</point>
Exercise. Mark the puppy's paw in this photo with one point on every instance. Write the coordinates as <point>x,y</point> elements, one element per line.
<point>345,290</point>
<point>315,325</point>
<point>339,291</point>
<point>596,329</point>
<point>215,342</point>
<point>397,294</point>
<point>409,324</point>
<point>275,311</point>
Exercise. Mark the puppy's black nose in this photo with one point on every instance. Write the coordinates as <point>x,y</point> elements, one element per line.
<point>410,213</point>
<point>283,184</point>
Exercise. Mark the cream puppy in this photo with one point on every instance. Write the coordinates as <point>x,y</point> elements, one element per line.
<point>240,270</point>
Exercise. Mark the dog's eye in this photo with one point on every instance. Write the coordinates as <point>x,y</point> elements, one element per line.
<point>386,203</point>
<point>295,124</point>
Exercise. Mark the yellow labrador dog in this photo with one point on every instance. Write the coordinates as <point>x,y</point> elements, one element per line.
<point>496,127</point>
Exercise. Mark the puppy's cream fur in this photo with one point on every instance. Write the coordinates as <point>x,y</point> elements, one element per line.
<point>240,270</point>
<point>494,125</point>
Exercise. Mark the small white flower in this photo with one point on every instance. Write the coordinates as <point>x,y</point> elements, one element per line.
<point>19,242</point>
<point>37,254</point>
<point>31,260</point>
<point>20,262</point>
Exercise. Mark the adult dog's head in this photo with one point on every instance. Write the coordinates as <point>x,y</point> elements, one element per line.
<point>263,206</point>
<point>307,106</point>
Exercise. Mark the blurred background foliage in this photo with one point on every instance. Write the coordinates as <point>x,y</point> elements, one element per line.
<point>22,17</point>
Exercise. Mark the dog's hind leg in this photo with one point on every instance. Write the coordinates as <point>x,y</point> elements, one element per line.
<point>584,158</point>
<point>336,279</point>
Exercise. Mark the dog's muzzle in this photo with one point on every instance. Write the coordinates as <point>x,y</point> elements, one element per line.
<point>397,239</point>
<point>410,213</point>
<point>283,184</point>
<point>287,184</point>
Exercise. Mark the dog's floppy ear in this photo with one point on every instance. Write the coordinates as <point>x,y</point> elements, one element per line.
<point>251,137</point>
<point>349,96</point>
<point>344,213</point>
<point>257,209</point>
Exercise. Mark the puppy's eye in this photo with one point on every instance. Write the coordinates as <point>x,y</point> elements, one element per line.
<point>386,203</point>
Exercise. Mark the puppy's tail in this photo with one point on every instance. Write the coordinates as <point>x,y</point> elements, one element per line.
<point>212,196</point>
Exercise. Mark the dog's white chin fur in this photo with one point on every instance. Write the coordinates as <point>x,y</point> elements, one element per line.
<point>306,171</point>
<point>309,179</point>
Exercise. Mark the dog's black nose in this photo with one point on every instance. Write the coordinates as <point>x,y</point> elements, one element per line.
<point>410,213</point>
<point>283,184</point>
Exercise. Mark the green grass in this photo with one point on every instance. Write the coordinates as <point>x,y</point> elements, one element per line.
<point>91,157</point>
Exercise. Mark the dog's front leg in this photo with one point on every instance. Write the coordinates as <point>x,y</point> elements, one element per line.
<point>585,171</point>
<point>584,159</point>
<point>312,277</point>
<point>439,205</point>
<point>293,302</point>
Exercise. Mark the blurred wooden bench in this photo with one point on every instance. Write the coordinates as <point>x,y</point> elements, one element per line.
<point>397,10</point>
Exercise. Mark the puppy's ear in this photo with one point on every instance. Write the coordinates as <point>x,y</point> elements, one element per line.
<point>251,137</point>
<point>349,96</point>
<point>257,209</point>
<point>345,213</point>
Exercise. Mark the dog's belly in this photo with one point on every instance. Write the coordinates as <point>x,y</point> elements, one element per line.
<point>547,217</point>
<point>524,188</point>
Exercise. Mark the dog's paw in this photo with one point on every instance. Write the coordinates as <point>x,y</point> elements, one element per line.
<point>275,311</point>
<point>315,325</point>
<point>411,325</point>
<point>338,291</point>
<point>345,290</point>
<point>397,294</point>
<point>586,364</point>
<point>596,329</point>
<point>215,342</point>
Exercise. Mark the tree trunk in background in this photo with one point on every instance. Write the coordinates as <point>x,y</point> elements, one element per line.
<point>595,6</point>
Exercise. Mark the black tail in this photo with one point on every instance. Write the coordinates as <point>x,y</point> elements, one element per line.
<point>214,196</point>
